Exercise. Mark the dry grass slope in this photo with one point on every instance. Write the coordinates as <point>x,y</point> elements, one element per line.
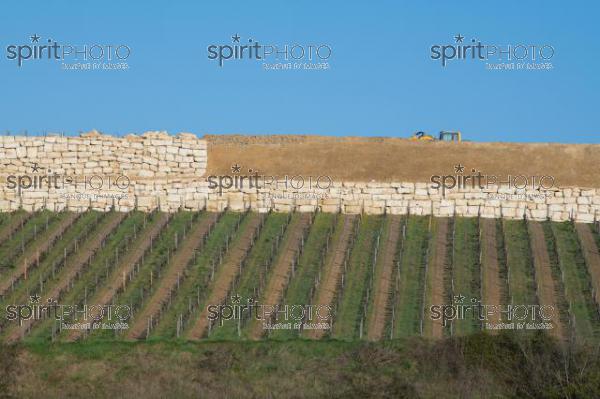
<point>377,158</point>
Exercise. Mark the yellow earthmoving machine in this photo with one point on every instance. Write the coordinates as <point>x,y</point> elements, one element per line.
<point>444,136</point>
<point>422,136</point>
<point>450,136</point>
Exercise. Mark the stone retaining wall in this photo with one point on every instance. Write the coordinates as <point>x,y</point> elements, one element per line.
<point>581,205</point>
<point>156,170</point>
<point>151,155</point>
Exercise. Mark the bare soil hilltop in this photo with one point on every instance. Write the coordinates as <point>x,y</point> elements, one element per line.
<point>396,159</point>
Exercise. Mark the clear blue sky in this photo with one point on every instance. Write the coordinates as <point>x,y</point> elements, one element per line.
<point>382,81</point>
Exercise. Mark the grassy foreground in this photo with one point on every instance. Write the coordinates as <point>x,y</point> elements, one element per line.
<point>478,365</point>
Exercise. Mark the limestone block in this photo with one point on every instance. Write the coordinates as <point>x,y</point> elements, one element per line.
<point>329,208</point>
<point>584,200</point>
<point>538,214</point>
<point>397,210</point>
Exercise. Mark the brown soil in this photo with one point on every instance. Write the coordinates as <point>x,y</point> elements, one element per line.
<point>75,264</point>
<point>126,265</point>
<point>437,267</point>
<point>174,272</point>
<point>333,271</point>
<point>282,270</point>
<point>546,286</point>
<point>592,257</point>
<point>383,288</point>
<point>226,275</point>
<point>42,244</point>
<point>387,159</point>
<point>490,269</point>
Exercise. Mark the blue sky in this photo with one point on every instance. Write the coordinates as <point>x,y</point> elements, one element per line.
<point>381,81</point>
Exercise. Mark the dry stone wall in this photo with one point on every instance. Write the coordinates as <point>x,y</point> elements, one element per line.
<point>96,170</point>
<point>581,205</point>
<point>156,170</point>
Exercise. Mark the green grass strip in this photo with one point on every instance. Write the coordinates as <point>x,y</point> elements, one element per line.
<point>357,280</point>
<point>411,278</point>
<point>521,281</point>
<point>575,279</point>
<point>466,273</point>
